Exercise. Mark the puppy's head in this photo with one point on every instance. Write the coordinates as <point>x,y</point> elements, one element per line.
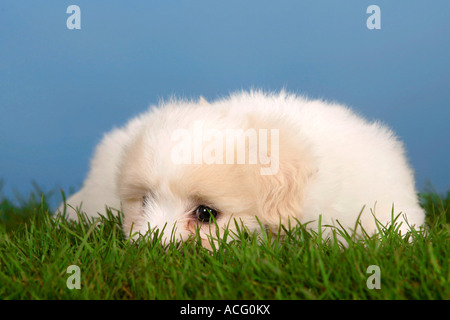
<point>193,166</point>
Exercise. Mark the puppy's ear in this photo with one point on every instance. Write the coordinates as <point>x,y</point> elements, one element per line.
<point>134,174</point>
<point>281,188</point>
<point>280,196</point>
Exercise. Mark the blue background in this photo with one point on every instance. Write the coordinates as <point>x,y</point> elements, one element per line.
<point>61,89</point>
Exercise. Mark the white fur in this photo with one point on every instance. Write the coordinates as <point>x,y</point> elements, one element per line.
<point>332,163</point>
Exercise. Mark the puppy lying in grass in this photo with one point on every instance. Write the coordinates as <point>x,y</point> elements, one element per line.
<point>261,159</point>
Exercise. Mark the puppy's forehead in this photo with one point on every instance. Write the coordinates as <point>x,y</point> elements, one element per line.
<point>209,178</point>
<point>225,186</point>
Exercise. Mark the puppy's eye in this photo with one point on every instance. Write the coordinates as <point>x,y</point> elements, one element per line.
<point>205,214</point>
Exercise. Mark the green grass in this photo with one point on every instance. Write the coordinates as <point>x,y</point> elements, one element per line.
<point>36,249</point>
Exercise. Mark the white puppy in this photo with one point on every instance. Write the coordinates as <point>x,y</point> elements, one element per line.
<point>252,156</point>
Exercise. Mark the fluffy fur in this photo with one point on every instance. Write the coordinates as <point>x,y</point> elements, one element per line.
<point>332,163</point>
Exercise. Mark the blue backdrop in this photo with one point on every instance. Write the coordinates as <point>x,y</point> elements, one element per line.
<point>61,89</point>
